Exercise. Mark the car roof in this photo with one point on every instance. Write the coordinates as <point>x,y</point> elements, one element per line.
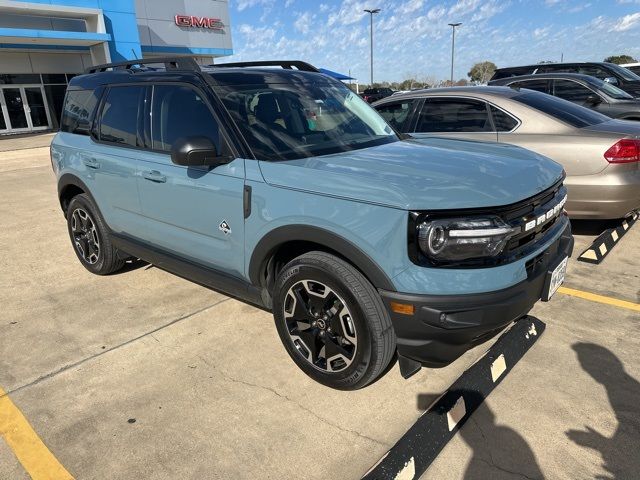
<point>540,65</point>
<point>229,76</point>
<point>550,75</point>
<point>482,90</point>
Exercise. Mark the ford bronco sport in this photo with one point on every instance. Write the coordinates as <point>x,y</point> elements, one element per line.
<point>281,187</point>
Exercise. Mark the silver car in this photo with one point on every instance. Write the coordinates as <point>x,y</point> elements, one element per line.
<point>600,155</point>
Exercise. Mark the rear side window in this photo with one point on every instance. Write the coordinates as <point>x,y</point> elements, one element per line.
<point>79,106</point>
<point>179,111</point>
<point>120,118</point>
<point>397,114</point>
<point>572,91</point>
<point>537,85</point>
<point>565,111</point>
<point>502,120</point>
<point>454,115</point>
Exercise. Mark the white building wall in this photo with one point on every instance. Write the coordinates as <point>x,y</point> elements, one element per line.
<point>37,62</point>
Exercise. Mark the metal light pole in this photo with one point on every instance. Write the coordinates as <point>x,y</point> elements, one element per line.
<point>371,12</point>
<point>453,45</point>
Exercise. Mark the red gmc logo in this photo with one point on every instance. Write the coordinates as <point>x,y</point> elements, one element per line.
<point>199,22</point>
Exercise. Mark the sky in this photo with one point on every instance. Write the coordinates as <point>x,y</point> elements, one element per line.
<point>412,37</point>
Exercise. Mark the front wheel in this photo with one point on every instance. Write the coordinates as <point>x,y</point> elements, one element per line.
<point>332,321</point>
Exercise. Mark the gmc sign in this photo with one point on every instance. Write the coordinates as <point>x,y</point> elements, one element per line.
<point>199,22</point>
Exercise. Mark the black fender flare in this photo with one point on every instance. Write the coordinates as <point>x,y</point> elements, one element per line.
<point>307,233</point>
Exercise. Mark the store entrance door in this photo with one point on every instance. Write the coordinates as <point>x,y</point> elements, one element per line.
<point>23,109</point>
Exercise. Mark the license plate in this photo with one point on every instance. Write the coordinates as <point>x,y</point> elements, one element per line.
<point>557,278</point>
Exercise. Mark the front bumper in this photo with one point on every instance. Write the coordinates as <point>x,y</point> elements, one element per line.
<point>443,327</point>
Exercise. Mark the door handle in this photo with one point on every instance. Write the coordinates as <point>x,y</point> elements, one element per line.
<point>91,163</point>
<point>155,176</point>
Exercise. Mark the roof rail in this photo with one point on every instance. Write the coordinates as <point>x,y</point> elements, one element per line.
<point>170,63</point>
<point>286,64</point>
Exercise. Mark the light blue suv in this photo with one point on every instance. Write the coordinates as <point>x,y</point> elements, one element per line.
<point>281,187</point>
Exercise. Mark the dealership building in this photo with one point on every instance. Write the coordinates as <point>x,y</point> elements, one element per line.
<point>43,43</point>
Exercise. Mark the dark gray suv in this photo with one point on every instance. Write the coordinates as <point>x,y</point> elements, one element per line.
<point>584,90</point>
<point>610,72</point>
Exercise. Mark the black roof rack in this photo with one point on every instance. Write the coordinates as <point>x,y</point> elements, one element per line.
<point>170,63</point>
<point>286,64</point>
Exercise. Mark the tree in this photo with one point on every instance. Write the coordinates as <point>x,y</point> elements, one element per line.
<point>620,59</point>
<point>482,72</point>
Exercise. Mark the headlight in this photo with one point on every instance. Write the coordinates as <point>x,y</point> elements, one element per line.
<point>455,239</point>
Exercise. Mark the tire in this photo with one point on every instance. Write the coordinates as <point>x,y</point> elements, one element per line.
<point>90,237</point>
<point>351,321</point>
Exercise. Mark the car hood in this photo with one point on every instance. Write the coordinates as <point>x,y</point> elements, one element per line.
<point>617,127</point>
<point>433,173</point>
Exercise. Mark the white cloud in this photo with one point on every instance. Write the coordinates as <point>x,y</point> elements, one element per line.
<point>244,4</point>
<point>410,6</point>
<point>627,22</point>
<point>303,23</point>
<point>288,3</point>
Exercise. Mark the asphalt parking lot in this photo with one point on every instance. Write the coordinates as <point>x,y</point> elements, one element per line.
<point>145,375</point>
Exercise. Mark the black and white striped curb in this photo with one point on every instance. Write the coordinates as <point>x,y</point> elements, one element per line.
<point>410,457</point>
<point>605,242</point>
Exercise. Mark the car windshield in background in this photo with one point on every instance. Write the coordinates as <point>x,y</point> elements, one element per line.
<point>285,121</point>
<point>625,73</point>
<point>612,90</point>
<point>563,110</point>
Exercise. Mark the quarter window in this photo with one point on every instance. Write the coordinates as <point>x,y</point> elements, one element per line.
<point>177,112</point>
<point>397,114</point>
<point>78,110</point>
<point>502,120</point>
<point>572,91</point>
<point>537,85</point>
<point>120,116</point>
<point>454,115</point>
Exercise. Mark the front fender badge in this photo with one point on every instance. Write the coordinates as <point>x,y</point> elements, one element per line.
<point>224,227</point>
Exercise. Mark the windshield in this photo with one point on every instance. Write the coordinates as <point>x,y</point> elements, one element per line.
<point>612,90</point>
<point>562,110</point>
<point>306,117</point>
<point>624,73</point>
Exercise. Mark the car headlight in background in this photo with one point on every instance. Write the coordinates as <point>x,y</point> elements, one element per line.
<point>455,239</point>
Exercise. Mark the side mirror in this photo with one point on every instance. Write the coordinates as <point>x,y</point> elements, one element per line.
<point>593,100</point>
<point>611,80</point>
<point>196,152</point>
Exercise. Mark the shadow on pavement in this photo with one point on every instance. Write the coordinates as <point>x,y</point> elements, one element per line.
<point>499,452</point>
<point>620,452</point>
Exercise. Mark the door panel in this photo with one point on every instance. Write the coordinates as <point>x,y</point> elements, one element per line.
<point>185,207</point>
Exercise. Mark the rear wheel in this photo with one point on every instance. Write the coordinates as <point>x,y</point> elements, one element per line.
<point>332,321</point>
<point>90,237</point>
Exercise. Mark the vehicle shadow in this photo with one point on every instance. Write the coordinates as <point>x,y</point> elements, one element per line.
<point>133,265</point>
<point>620,452</point>
<point>592,227</point>
<point>499,452</point>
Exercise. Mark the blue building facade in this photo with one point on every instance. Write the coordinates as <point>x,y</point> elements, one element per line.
<point>43,43</point>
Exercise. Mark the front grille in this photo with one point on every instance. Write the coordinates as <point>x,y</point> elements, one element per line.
<point>549,201</point>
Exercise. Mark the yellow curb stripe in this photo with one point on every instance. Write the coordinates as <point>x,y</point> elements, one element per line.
<point>600,299</point>
<point>34,455</point>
